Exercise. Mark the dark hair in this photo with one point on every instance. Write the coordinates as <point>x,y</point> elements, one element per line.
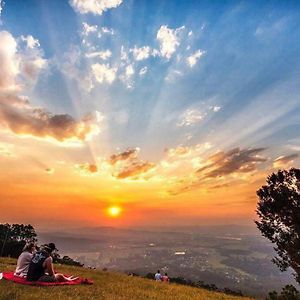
<point>50,247</point>
<point>158,271</point>
<point>28,247</point>
<point>166,274</point>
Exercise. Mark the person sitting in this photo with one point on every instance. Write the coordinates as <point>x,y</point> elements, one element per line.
<point>157,276</point>
<point>24,260</point>
<point>165,278</point>
<point>41,267</point>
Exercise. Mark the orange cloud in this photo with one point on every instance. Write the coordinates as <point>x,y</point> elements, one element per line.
<point>127,164</point>
<point>219,170</point>
<point>284,161</point>
<point>235,160</point>
<point>87,169</point>
<point>126,155</point>
<point>135,169</point>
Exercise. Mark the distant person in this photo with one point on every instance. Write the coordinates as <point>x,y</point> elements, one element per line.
<point>165,278</point>
<point>41,267</point>
<point>24,260</point>
<point>157,276</point>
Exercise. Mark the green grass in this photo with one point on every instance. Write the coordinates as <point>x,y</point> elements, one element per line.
<point>107,285</point>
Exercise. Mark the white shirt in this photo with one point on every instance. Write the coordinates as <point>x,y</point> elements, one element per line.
<point>23,264</point>
<point>157,277</point>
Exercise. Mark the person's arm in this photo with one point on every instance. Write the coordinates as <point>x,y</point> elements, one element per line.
<point>49,266</point>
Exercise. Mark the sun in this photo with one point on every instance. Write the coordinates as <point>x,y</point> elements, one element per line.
<point>114,211</point>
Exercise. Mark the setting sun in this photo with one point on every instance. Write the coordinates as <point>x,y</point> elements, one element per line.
<point>114,211</point>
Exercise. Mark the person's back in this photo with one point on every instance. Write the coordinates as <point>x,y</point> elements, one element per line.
<point>24,260</point>
<point>36,267</point>
<point>157,276</point>
<point>165,278</point>
<point>23,264</point>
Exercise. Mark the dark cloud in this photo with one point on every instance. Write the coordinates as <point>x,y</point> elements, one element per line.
<point>17,115</point>
<point>127,164</point>
<point>135,169</point>
<point>220,164</point>
<point>235,160</point>
<point>129,154</point>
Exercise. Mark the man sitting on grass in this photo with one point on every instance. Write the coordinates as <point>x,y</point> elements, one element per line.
<point>41,267</point>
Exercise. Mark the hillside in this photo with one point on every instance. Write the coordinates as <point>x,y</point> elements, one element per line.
<point>107,285</point>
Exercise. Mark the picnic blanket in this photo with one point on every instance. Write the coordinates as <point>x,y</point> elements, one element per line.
<point>11,277</point>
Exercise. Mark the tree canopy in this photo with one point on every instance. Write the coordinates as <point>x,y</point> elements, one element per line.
<point>279,213</point>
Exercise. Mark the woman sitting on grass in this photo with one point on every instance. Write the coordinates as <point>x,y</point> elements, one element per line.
<point>24,260</point>
<point>41,267</point>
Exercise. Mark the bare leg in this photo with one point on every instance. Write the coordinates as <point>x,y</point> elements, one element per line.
<point>62,278</point>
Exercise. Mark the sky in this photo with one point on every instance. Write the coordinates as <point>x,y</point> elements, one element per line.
<point>167,113</point>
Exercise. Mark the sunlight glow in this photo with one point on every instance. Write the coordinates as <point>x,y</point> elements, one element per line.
<point>114,211</point>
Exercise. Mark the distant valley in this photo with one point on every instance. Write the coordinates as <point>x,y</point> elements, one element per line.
<point>230,256</point>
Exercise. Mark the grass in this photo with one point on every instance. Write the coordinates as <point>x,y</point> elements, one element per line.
<point>107,285</point>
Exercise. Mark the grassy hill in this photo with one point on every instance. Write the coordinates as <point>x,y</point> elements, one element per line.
<point>107,285</point>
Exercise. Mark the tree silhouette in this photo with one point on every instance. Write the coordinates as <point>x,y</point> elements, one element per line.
<point>279,212</point>
<point>14,237</point>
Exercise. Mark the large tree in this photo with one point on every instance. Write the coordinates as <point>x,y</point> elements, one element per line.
<point>14,237</point>
<point>279,213</point>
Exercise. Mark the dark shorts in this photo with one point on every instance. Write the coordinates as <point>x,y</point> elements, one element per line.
<point>48,278</point>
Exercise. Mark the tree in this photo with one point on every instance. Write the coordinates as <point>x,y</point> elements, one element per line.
<point>279,212</point>
<point>14,237</point>
<point>289,292</point>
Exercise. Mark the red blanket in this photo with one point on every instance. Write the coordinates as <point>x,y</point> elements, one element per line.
<point>11,277</point>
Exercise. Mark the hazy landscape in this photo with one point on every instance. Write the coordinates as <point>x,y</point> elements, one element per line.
<point>228,256</point>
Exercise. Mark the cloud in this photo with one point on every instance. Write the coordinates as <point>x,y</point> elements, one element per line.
<point>215,108</point>
<point>129,71</point>
<point>129,154</point>
<point>141,53</point>
<point>285,161</point>
<point>1,8</point>
<point>233,161</point>
<point>86,169</point>
<point>135,170</point>
<point>192,59</point>
<point>143,71</point>
<point>197,171</point>
<point>169,40</point>
<point>20,65</point>
<point>30,41</point>
<point>103,73</point>
<point>87,29</point>
<point>107,30</point>
<point>9,62</point>
<point>123,54</point>
<point>101,54</point>
<point>195,115</point>
<point>127,165</point>
<point>190,117</point>
<point>31,60</point>
<point>22,119</point>
<point>127,76</point>
<point>178,151</point>
<point>96,7</point>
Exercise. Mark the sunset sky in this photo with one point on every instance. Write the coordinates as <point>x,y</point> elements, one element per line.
<point>173,112</point>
